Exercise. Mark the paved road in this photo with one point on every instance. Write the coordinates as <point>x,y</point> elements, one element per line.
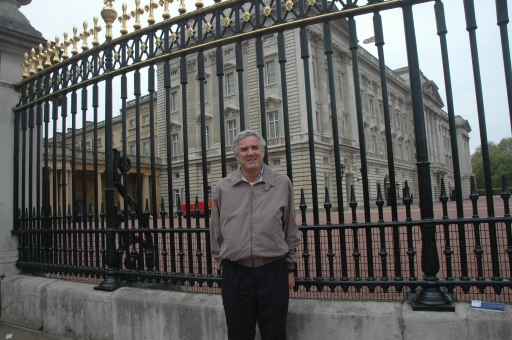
<point>17,333</point>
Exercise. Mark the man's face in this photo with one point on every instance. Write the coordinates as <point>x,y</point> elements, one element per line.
<point>250,154</point>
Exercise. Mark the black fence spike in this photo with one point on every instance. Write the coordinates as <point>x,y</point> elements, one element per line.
<point>327,206</point>
<point>443,197</point>
<point>179,212</point>
<point>473,192</point>
<point>505,195</point>
<point>146,210</point>
<point>303,206</point>
<point>197,211</point>
<point>407,193</point>
<point>380,200</point>
<point>353,204</point>
<point>380,203</point>
<point>162,208</point>
<point>473,196</point>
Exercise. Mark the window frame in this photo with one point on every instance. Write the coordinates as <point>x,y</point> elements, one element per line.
<point>273,124</point>
<point>270,75</point>
<point>146,147</point>
<point>231,131</point>
<point>230,86</point>
<point>175,146</point>
<point>174,101</point>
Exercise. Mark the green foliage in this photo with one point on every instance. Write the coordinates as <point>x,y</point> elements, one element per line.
<point>500,156</point>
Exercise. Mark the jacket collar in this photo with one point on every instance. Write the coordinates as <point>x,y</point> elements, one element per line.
<point>267,178</point>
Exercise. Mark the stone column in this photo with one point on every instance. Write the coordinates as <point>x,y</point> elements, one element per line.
<point>17,36</point>
<point>145,191</point>
<point>101,193</point>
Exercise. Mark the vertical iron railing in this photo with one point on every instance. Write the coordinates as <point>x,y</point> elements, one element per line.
<point>150,237</point>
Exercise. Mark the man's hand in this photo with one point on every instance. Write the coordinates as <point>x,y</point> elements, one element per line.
<point>291,280</point>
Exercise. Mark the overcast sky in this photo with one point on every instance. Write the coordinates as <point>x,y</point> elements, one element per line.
<point>53,17</point>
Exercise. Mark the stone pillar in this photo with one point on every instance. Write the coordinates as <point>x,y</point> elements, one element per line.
<point>101,192</point>
<point>69,190</point>
<point>17,36</point>
<point>145,191</point>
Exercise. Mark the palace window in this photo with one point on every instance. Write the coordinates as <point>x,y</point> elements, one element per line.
<point>205,98</point>
<point>271,72</point>
<point>146,149</point>
<point>231,131</point>
<point>174,101</point>
<point>273,125</point>
<point>207,137</point>
<point>175,144</point>
<point>230,84</point>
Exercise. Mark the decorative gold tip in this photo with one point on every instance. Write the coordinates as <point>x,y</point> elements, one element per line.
<point>74,40</point>
<point>165,4</point>
<point>123,19</point>
<point>32,62</point>
<point>199,4</point>
<point>136,14</point>
<point>48,54</point>
<point>109,15</point>
<point>95,31</point>
<point>40,58</point>
<point>85,35</point>
<point>182,9</point>
<point>25,66</point>
<point>151,10</point>
<point>65,45</point>
<point>56,50</point>
<point>288,5</point>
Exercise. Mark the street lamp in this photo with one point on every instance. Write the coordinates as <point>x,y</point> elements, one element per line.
<point>397,190</point>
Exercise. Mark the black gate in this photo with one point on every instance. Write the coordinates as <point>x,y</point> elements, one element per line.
<point>139,212</point>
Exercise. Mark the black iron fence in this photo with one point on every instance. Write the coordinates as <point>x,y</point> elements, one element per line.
<point>140,238</point>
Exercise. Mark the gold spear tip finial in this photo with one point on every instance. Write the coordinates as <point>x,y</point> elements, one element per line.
<point>109,15</point>
<point>182,9</point>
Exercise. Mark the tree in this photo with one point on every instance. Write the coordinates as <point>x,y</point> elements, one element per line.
<point>500,156</point>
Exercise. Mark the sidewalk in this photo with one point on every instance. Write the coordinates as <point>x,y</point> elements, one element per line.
<point>18,333</point>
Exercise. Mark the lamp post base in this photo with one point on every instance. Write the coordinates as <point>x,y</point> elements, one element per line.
<point>432,299</point>
<point>110,284</point>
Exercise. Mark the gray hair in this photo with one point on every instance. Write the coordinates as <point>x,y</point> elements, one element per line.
<point>244,134</point>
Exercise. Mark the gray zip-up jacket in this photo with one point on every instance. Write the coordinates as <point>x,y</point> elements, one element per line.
<point>254,224</point>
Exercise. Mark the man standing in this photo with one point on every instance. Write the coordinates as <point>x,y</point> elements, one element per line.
<point>253,238</point>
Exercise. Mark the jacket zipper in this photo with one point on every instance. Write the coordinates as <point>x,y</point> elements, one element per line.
<point>252,195</point>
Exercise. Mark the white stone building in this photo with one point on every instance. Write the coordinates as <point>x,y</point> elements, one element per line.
<point>400,110</point>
